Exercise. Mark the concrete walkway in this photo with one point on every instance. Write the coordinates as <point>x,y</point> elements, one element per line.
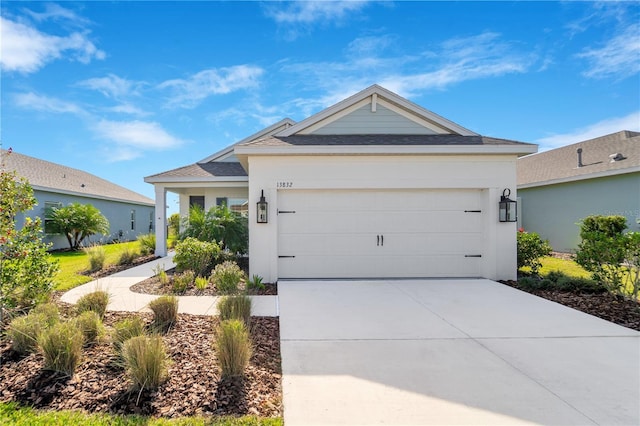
<point>472,352</point>
<point>123,299</point>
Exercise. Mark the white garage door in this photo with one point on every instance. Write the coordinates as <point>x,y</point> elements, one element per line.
<point>379,233</point>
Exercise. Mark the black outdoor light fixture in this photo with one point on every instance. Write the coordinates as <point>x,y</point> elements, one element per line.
<point>508,211</point>
<point>262,209</point>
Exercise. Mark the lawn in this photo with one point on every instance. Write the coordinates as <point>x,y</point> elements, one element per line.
<point>73,263</point>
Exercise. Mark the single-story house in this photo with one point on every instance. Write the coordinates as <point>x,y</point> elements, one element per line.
<point>129,213</point>
<point>374,186</point>
<point>560,187</point>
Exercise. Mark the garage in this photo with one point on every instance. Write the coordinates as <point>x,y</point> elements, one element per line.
<point>372,233</point>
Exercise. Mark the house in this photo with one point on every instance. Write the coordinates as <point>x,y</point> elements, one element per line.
<point>374,186</point>
<point>560,187</point>
<point>129,213</point>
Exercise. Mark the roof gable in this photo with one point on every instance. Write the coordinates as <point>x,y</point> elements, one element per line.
<point>561,164</point>
<point>47,176</point>
<point>353,114</point>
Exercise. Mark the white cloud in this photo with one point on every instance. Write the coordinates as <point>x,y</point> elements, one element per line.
<point>188,93</point>
<point>140,135</point>
<point>111,86</point>
<point>601,128</point>
<point>619,57</point>
<point>37,102</point>
<point>128,109</point>
<point>26,50</point>
<point>55,12</point>
<point>307,12</point>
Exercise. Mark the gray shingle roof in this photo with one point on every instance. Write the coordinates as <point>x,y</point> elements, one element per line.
<point>371,140</point>
<point>54,177</point>
<point>200,170</point>
<point>562,163</point>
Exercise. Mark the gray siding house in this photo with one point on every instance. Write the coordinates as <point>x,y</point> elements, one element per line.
<point>560,187</point>
<point>129,213</point>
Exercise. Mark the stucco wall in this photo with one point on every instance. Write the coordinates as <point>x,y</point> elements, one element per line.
<point>554,211</point>
<point>117,213</point>
<point>490,173</point>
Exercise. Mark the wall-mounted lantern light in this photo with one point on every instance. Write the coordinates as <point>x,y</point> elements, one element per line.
<point>508,211</point>
<point>262,209</point>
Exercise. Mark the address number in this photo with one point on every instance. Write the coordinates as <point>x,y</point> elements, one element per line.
<point>285,185</point>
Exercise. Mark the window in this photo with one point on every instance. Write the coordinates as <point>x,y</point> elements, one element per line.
<point>133,220</point>
<point>196,200</point>
<point>222,201</point>
<point>150,221</point>
<point>49,227</point>
<point>239,206</point>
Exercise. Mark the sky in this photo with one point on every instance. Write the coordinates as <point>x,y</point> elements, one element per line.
<point>125,89</point>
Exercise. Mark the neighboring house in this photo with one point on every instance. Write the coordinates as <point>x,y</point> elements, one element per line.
<point>372,187</point>
<point>129,213</point>
<point>560,187</point>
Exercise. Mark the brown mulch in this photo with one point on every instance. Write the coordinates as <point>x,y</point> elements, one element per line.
<point>153,286</point>
<point>194,385</point>
<point>112,269</point>
<point>610,307</point>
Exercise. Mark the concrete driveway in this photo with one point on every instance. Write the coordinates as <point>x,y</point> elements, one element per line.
<point>450,352</point>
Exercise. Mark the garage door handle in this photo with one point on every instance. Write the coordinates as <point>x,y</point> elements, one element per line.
<point>378,238</point>
<point>381,240</point>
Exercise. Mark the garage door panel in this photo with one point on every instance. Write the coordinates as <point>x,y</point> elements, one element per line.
<point>433,244</point>
<point>321,244</point>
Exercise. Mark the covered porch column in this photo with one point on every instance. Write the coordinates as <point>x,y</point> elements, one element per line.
<point>161,220</point>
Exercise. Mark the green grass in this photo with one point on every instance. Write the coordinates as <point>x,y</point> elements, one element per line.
<point>72,264</point>
<point>14,415</point>
<point>568,267</point>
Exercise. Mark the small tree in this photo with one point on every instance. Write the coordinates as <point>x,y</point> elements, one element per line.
<point>77,222</point>
<point>26,268</point>
<point>530,249</point>
<point>219,224</point>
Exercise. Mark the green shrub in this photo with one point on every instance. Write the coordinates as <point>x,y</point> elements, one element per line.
<point>49,311</point>
<point>165,312</point>
<point>96,301</point>
<point>579,285</point>
<point>61,346</point>
<point>124,330</point>
<point>182,281</point>
<point>145,361</point>
<point>147,243</point>
<point>255,283</point>
<point>219,224</point>
<point>198,256</point>
<point>201,283</point>
<point>161,274</point>
<point>232,347</point>
<point>97,256</point>
<point>90,324</point>
<point>530,249</point>
<point>235,307</point>
<point>24,332</point>
<point>127,256</point>
<point>226,277</point>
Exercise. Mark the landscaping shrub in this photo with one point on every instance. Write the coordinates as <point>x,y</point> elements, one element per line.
<point>49,311</point>
<point>90,324</point>
<point>201,283</point>
<point>198,256</point>
<point>61,346</point>
<point>255,283</point>
<point>145,361</point>
<point>96,301</point>
<point>235,307</point>
<point>161,274</point>
<point>182,281</point>
<point>226,277</point>
<point>165,312</point>
<point>24,332</point>
<point>97,256</point>
<point>124,330</point>
<point>127,256</point>
<point>233,347</point>
<point>530,249</point>
<point>219,224</point>
<point>147,243</point>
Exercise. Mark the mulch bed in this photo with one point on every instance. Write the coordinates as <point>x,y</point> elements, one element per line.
<point>614,308</point>
<point>112,269</point>
<point>153,286</point>
<point>194,386</point>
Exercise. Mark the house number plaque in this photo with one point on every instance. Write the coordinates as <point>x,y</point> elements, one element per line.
<point>284,185</point>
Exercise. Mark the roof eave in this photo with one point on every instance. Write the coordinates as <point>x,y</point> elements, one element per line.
<point>181,179</point>
<point>595,175</point>
<point>247,150</point>
<point>86,195</point>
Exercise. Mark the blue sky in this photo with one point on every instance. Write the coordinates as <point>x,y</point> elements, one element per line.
<point>124,90</point>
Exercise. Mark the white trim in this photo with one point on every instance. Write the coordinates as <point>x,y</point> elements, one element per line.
<point>605,173</point>
<point>384,149</point>
<point>85,195</point>
<point>274,128</point>
<point>381,93</point>
<point>170,179</point>
<point>374,102</point>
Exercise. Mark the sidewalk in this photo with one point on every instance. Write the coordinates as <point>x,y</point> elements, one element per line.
<point>123,299</point>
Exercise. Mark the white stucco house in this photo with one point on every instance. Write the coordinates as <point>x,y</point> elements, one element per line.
<point>54,185</point>
<point>374,186</point>
<point>560,187</point>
